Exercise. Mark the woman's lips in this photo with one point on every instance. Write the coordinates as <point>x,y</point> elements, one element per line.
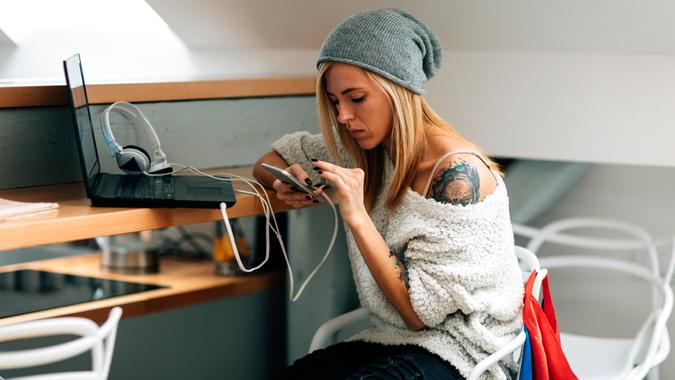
<point>356,132</point>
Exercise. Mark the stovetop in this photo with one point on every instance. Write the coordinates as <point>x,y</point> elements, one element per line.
<point>26,291</point>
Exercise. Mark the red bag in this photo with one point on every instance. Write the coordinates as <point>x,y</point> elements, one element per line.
<point>548,359</point>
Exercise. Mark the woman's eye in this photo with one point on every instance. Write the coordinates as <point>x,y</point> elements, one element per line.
<point>356,100</point>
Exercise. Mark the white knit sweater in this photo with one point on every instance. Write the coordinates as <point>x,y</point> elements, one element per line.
<point>464,279</point>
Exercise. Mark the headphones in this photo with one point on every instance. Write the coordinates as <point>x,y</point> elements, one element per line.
<point>133,159</point>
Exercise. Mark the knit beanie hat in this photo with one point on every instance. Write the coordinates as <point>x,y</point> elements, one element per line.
<point>390,42</point>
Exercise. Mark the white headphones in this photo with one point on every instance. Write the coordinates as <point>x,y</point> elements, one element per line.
<point>133,159</point>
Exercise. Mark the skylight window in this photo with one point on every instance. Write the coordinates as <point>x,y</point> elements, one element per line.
<point>39,21</point>
<point>117,39</point>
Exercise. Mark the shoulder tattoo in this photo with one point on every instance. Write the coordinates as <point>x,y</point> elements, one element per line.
<point>458,184</point>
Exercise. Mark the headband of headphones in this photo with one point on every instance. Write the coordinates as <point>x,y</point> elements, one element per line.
<point>134,114</point>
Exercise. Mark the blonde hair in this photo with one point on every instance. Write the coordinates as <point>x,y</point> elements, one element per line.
<point>408,140</point>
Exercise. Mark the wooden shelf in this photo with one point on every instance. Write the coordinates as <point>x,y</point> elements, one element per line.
<point>55,95</point>
<point>76,219</point>
<point>189,282</point>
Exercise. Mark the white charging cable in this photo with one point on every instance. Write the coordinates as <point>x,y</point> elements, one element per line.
<point>268,211</point>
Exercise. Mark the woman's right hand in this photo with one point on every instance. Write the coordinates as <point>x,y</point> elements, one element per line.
<point>286,192</point>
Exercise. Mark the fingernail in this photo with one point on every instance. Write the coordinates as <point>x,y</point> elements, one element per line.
<point>316,168</point>
<point>308,181</point>
<point>308,197</point>
<point>315,201</point>
<point>318,185</point>
<point>320,171</point>
<point>295,188</point>
<point>314,160</point>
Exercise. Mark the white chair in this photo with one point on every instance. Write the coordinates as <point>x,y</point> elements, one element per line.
<point>327,333</point>
<point>599,358</point>
<point>100,340</point>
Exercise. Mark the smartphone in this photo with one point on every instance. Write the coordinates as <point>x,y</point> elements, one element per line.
<point>287,177</point>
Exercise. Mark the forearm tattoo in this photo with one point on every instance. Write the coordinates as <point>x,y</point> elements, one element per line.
<point>399,262</point>
<point>458,184</point>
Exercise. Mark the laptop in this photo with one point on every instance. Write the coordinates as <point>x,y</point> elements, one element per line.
<point>124,190</point>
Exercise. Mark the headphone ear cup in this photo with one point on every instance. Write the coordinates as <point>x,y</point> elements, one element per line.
<point>133,160</point>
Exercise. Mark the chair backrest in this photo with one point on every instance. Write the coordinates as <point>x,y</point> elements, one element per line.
<point>527,260</point>
<point>99,339</point>
<point>634,238</point>
<point>654,346</point>
<point>556,232</point>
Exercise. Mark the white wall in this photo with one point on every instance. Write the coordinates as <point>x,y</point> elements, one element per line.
<point>595,26</point>
<point>637,194</point>
<point>562,106</point>
<point>572,81</point>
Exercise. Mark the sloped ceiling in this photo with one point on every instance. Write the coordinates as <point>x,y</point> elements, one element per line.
<point>5,41</point>
<point>585,26</point>
<point>575,80</point>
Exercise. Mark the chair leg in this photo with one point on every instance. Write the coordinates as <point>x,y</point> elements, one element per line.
<point>653,373</point>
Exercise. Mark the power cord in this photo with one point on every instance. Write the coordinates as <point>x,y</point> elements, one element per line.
<point>270,219</point>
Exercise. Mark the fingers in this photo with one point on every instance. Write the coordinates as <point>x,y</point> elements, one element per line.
<point>335,178</point>
<point>278,186</point>
<point>325,165</point>
<point>319,189</point>
<point>286,193</point>
<point>282,187</point>
<point>298,172</point>
<point>348,178</point>
<point>342,177</point>
<point>322,166</point>
<point>304,202</point>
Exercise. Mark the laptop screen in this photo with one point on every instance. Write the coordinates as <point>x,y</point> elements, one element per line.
<point>82,120</point>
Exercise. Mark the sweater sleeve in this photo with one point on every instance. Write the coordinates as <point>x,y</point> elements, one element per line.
<point>445,277</point>
<point>300,147</point>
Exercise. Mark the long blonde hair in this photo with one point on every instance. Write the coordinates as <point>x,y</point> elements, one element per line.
<point>410,112</point>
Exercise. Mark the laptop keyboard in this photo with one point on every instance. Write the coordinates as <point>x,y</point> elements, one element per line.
<point>144,187</point>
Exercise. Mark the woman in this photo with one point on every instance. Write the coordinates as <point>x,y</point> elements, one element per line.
<point>426,212</point>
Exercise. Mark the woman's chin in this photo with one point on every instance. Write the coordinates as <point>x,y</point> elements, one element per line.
<point>366,144</point>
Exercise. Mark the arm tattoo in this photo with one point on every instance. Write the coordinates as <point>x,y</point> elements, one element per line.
<point>458,184</point>
<point>400,265</point>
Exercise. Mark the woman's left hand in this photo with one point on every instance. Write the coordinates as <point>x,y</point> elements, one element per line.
<point>348,189</point>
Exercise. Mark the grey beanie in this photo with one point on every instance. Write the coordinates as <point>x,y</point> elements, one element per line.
<point>390,42</point>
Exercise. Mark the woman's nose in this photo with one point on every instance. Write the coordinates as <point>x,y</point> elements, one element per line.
<point>344,114</point>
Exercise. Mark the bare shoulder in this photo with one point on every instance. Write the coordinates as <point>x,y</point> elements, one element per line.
<point>461,179</point>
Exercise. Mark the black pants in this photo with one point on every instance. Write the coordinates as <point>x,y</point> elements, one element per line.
<point>361,360</point>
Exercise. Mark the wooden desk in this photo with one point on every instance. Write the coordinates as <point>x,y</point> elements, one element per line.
<point>76,219</point>
<point>190,282</point>
<point>55,94</point>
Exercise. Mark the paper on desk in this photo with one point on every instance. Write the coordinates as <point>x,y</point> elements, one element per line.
<point>14,209</point>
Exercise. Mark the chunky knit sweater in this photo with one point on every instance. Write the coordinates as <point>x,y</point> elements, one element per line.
<point>464,280</point>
